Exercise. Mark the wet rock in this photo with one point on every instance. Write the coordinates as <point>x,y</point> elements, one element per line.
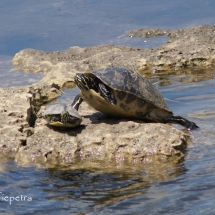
<point>190,48</point>
<point>30,140</point>
<point>148,33</point>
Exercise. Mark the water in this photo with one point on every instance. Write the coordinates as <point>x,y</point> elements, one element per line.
<point>9,76</point>
<point>186,187</point>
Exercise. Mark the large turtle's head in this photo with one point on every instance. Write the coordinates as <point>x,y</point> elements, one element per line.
<point>85,82</point>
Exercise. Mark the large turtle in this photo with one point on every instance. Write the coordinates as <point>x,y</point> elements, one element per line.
<point>124,93</point>
<point>63,115</point>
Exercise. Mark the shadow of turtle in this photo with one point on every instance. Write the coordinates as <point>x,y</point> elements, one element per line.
<point>70,131</point>
<point>98,117</point>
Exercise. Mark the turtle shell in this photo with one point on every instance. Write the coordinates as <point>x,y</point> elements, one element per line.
<point>136,96</point>
<point>53,115</point>
<point>131,82</point>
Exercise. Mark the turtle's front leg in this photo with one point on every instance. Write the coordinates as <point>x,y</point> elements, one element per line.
<point>77,102</point>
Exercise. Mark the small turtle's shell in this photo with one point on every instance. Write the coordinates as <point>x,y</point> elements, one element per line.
<point>56,110</point>
<point>136,96</point>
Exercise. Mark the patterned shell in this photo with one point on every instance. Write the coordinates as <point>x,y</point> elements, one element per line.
<point>133,83</point>
<point>58,108</point>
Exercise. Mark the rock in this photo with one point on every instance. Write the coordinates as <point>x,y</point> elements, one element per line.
<point>100,138</point>
<point>190,48</point>
<point>17,116</point>
<point>14,119</point>
<point>43,93</point>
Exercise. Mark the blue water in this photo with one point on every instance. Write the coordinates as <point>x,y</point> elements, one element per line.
<point>184,188</point>
<point>54,26</point>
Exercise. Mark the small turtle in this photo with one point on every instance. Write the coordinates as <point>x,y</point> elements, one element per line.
<point>62,115</point>
<point>123,93</point>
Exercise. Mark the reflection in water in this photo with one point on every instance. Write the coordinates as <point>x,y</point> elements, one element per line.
<point>205,113</point>
<point>106,188</point>
<point>186,76</point>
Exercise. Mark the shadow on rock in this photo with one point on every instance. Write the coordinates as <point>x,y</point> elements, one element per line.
<point>97,118</point>
<point>70,131</point>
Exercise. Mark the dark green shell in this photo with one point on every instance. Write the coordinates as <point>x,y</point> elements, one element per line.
<point>131,82</point>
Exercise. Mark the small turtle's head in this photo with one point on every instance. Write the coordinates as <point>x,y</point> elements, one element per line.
<point>67,120</point>
<point>65,117</point>
<point>84,82</point>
